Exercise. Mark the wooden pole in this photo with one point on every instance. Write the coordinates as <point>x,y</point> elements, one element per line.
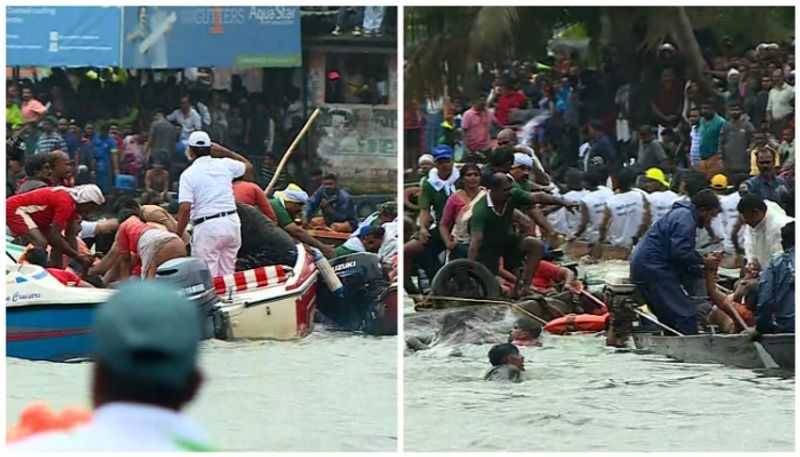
<point>288,153</point>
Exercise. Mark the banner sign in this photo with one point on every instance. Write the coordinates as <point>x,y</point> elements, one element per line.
<point>63,36</point>
<point>209,36</point>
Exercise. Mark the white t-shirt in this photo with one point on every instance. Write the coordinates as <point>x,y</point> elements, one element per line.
<point>595,202</point>
<point>122,427</point>
<point>627,214</point>
<point>568,222</point>
<point>728,218</point>
<point>660,203</point>
<point>208,185</point>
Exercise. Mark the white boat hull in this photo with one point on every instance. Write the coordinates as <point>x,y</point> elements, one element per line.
<point>281,311</point>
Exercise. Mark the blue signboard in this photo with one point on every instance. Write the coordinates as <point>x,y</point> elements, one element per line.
<point>63,36</point>
<point>241,36</point>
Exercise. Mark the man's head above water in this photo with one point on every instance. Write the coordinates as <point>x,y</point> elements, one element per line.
<point>526,332</point>
<point>506,354</point>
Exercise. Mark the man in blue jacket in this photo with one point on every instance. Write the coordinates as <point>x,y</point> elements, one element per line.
<point>338,208</point>
<point>666,258</point>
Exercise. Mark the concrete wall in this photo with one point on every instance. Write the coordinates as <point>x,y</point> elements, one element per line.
<point>357,142</point>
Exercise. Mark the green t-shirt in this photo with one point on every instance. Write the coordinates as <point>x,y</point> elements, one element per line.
<point>518,188</point>
<point>283,216</point>
<point>341,250</point>
<point>496,226</point>
<point>430,197</point>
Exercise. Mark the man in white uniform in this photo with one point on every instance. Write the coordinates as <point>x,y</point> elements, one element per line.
<point>661,198</point>
<point>145,373</point>
<point>206,196</point>
<point>627,214</point>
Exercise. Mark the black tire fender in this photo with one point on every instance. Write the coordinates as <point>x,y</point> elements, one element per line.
<point>476,272</point>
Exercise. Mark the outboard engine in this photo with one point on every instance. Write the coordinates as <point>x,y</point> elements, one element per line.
<point>365,285</point>
<point>622,298</point>
<point>193,279</point>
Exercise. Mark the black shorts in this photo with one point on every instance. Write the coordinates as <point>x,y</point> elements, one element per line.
<point>508,248</point>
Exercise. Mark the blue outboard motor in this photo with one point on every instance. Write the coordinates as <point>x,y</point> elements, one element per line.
<point>192,278</point>
<point>364,283</point>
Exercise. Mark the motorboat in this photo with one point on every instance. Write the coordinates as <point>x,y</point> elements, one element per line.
<point>272,302</point>
<point>46,320</point>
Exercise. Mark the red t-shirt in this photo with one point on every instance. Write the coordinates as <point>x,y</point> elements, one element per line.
<point>250,194</point>
<point>45,206</point>
<point>507,102</point>
<point>128,235</point>
<point>65,277</point>
<point>546,275</point>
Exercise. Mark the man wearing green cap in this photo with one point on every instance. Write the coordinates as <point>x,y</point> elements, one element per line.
<point>145,372</point>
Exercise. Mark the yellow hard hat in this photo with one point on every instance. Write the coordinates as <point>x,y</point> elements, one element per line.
<point>719,181</point>
<point>656,175</point>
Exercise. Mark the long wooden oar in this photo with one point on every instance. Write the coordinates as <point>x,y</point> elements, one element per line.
<point>656,321</point>
<point>766,359</point>
<point>289,151</point>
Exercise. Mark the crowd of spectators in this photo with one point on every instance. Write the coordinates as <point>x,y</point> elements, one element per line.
<point>657,114</point>
<point>126,130</point>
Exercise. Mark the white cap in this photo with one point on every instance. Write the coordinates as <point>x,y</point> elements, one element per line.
<point>425,158</point>
<point>199,139</point>
<point>733,72</point>
<point>523,160</point>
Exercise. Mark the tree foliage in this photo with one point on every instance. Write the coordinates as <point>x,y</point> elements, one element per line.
<point>456,38</point>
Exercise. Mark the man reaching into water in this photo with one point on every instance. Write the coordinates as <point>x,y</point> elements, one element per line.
<point>491,230</point>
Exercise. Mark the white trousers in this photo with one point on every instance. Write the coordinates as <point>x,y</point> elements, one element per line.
<point>373,17</point>
<point>217,242</point>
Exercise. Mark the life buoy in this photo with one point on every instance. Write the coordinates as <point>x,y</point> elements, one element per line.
<point>408,194</point>
<point>576,323</point>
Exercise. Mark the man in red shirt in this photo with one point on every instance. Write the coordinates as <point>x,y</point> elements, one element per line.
<point>548,275</point>
<point>152,243</point>
<point>510,99</point>
<point>249,193</point>
<point>667,102</point>
<point>476,126</point>
<point>48,216</point>
<point>38,256</point>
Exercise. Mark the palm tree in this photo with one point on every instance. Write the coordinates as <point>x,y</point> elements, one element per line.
<point>455,38</point>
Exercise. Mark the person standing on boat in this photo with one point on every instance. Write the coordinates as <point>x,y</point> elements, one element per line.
<point>338,209</point>
<point>145,372</point>
<point>491,232</point>
<point>49,216</point>
<point>288,204</point>
<point>206,196</point>
<point>666,258</point>
<point>775,311</point>
<point>436,189</point>
<point>764,219</point>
